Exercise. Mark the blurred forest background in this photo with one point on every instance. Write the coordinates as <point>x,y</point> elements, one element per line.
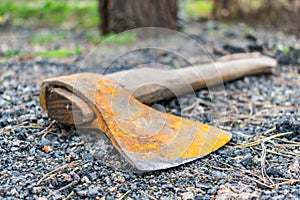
<point>279,14</point>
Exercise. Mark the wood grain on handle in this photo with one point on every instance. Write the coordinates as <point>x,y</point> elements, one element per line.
<point>201,76</point>
<point>150,85</point>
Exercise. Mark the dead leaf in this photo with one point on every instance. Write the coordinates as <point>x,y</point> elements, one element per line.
<point>47,149</point>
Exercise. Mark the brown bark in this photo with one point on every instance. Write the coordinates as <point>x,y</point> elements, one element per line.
<point>281,14</point>
<point>122,15</point>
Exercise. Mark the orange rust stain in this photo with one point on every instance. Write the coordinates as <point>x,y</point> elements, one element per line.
<point>128,132</point>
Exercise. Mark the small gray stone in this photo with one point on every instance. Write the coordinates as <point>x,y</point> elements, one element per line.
<point>82,193</point>
<point>187,196</point>
<point>92,191</point>
<point>36,190</point>
<point>85,179</point>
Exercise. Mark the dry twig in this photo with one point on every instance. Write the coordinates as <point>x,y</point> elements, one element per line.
<point>72,164</point>
<point>148,195</point>
<point>259,141</point>
<point>47,130</point>
<point>9,128</point>
<point>263,163</point>
<point>69,195</point>
<point>124,195</point>
<point>276,153</point>
<point>249,172</point>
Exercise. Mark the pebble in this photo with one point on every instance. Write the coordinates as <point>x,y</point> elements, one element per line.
<point>107,180</point>
<point>36,190</point>
<point>213,191</point>
<point>82,193</point>
<point>85,179</point>
<point>202,185</point>
<point>93,176</point>
<point>247,161</point>
<point>14,192</point>
<point>92,191</point>
<point>218,174</point>
<point>187,196</point>
<point>14,149</point>
<point>87,157</point>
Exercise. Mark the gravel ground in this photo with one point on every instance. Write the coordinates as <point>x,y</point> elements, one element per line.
<point>40,158</point>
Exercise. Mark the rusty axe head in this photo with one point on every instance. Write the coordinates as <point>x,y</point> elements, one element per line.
<point>148,139</point>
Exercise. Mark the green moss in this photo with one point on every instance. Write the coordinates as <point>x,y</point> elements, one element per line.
<point>3,60</point>
<point>123,38</point>
<point>9,54</point>
<point>46,37</point>
<point>69,13</point>
<point>285,49</point>
<point>199,8</point>
<point>154,187</point>
<point>250,31</point>
<point>119,178</point>
<point>59,53</point>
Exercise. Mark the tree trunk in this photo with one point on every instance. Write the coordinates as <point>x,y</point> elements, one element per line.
<point>121,15</point>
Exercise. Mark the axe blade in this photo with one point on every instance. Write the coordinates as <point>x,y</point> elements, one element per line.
<point>148,139</point>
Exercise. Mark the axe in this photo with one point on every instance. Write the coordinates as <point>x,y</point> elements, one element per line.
<point>146,138</point>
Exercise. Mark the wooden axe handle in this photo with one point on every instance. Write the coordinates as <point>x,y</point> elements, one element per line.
<point>148,85</point>
<point>151,85</point>
<point>207,75</point>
